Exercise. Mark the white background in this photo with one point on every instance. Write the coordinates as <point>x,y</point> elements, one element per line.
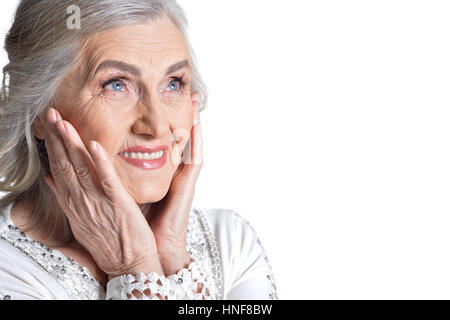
<point>328,129</point>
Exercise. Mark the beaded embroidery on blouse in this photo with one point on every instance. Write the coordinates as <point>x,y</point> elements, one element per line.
<point>270,277</point>
<point>78,281</point>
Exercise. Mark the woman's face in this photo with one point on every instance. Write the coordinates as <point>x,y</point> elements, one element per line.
<point>131,89</point>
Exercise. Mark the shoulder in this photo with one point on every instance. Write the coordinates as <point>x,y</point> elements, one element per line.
<point>21,277</point>
<point>243,258</point>
<point>229,227</point>
<point>224,220</point>
<point>218,218</point>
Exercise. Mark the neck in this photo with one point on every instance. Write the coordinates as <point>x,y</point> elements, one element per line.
<point>28,221</point>
<point>146,209</point>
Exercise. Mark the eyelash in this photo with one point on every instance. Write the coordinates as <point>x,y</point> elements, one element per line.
<point>112,81</point>
<point>181,79</point>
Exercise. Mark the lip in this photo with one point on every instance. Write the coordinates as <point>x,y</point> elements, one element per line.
<point>145,149</point>
<point>144,163</point>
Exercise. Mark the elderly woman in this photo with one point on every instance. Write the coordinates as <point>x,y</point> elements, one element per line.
<point>100,150</point>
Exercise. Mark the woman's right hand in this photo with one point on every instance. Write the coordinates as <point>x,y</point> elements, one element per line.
<point>104,218</point>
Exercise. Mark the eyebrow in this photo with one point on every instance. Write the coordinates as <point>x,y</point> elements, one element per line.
<point>135,70</point>
<point>177,66</point>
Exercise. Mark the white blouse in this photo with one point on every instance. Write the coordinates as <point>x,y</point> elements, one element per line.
<point>220,241</point>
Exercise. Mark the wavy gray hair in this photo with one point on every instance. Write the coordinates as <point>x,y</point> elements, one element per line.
<point>41,49</point>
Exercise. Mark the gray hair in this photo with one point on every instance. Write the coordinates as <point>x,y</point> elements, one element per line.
<point>41,49</point>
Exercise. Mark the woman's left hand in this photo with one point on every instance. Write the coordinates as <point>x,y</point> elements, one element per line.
<point>169,217</point>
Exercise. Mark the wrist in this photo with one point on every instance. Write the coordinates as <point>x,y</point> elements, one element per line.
<point>172,262</point>
<point>146,267</point>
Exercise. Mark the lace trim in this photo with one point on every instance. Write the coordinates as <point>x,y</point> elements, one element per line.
<point>78,281</point>
<point>146,287</point>
<point>188,284</point>
<point>270,276</point>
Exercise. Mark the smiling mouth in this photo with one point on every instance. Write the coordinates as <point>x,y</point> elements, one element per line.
<point>145,158</point>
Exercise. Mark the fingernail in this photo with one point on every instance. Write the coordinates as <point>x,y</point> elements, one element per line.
<point>53,115</point>
<point>58,115</point>
<point>196,114</point>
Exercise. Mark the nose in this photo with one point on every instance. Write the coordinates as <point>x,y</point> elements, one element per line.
<point>152,119</point>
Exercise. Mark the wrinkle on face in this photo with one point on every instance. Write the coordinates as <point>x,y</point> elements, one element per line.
<point>146,114</point>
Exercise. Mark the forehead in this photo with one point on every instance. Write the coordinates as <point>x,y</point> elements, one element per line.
<point>151,45</point>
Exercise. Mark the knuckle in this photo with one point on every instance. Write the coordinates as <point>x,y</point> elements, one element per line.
<point>53,165</point>
<point>82,172</point>
<point>106,185</point>
<point>69,204</point>
<point>56,175</point>
<point>63,166</point>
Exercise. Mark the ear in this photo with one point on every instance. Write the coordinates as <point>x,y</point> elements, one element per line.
<point>38,128</point>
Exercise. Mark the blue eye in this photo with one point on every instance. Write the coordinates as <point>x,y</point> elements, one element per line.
<point>173,85</point>
<point>178,83</point>
<point>114,85</point>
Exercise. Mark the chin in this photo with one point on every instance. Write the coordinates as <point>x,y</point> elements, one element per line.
<point>151,193</point>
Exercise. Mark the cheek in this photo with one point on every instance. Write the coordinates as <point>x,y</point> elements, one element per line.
<point>95,123</point>
<point>182,123</point>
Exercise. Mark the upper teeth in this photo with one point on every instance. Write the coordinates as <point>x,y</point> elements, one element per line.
<point>144,156</point>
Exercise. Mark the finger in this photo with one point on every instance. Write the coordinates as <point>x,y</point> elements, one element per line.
<point>180,168</point>
<point>175,155</point>
<point>195,97</point>
<point>60,166</point>
<point>197,141</point>
<point>66,187</point>
<point>107,175</point>
<point>193,153</point>
<point>51,183</point>
<point>80,158</point>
